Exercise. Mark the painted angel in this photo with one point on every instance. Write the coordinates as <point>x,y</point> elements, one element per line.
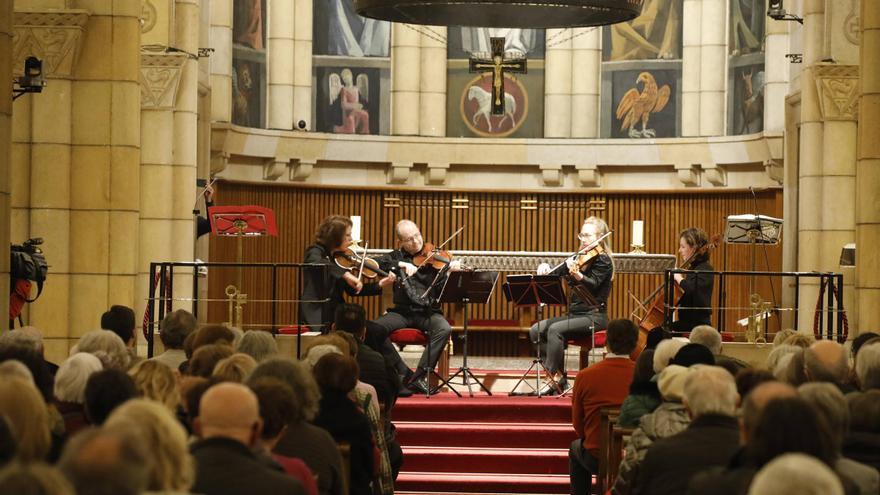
<point>351,96</point>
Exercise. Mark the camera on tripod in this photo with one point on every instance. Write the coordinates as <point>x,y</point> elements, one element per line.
<point>28,263</point>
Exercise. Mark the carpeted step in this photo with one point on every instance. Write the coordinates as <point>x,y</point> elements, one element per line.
<point>485,460</point>
<point>447,407</point>
<point>473,434</point>
<point>482,483</point>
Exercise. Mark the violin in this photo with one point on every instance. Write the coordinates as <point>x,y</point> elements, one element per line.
<point>586,259</point>
<point>431,256</point>
<point>358,265</point>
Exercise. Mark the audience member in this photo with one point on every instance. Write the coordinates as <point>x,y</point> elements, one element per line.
<point>34,479</point>
<point>13,367</point>
<point>173,331</point>
<point>120,320</point>
<point>302,439</point>
<point>711,338</point>
<point>336,376</point>
<point>105,390</point>
<point>8,445</point>
<point>749,378</point>
<point>800,339</point>
<point>106,461</point>
<point>171,469</point>
<point>27,417</point>
<point>70,389</point>
<point>316,352</point>
<point>30,337</point>
<point>831,405</point>
<point>191,390</point>
<point>206,357</point>
<point>664,353</point>
<point>644,396</point>
<point>229,428</point>
<point>691,354</point>
<point>777,353</point>
<point>655,336</point>
<point>106,346</point>
<point>867,368</point>
<point>14,350</point>
<point>235,368</point>
<point>827,361</point>
<point>603,384</point>
<point>711,439</point>
<point>863,442</point>
<point>351,318</point>
<point>791,369</point>
<point>334,340</point>
<point>277,407</point>
<point>213,334</point>
<point>157,382</point>
<point>258,345</point>
<point>780,336</point>
<point>862,339</point>
<point>796,474</point>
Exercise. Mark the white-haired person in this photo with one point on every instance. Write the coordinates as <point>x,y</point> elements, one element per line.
<point>258,344</point>
<point>867,367</point>
<point>796,474</point>
<point>711,338</point>
<point>106,346</point>
<point>70,389</point>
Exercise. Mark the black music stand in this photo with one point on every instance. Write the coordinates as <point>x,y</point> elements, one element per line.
<point>467,287</point>
<point>535,290</point>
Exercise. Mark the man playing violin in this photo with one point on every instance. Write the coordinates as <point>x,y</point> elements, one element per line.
<point>697,287</point>
<point>586,277</point>
<point>332,235</point>
<point>415,303</point>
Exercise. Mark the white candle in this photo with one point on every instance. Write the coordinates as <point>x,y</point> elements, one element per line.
<point>638,237</point>
<point>356,228</point>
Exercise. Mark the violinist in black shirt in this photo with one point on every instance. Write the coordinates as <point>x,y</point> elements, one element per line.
<point>696,302</point>
<point>415,306</point>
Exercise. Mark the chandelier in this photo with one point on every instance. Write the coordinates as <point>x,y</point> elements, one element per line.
<point>502,13</point>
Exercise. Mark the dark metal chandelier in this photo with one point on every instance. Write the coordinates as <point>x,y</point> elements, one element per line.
<point>502,13</point>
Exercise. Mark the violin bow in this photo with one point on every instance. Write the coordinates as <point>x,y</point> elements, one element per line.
<point>363,260</point>
<point>440,247</point>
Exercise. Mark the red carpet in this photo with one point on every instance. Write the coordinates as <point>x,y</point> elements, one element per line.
<point>484,445</point>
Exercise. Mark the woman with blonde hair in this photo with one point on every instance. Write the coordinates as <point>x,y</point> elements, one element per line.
<point>27,417</point>
<point>157,382</point>
<point>235,368</point>
<point>172,468</point>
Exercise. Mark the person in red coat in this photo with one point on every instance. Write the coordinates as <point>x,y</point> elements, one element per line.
<point>604,384</point>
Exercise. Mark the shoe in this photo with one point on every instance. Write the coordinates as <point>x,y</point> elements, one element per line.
<point>560,387</point>
<point>420,386</point>
<point>403,391</point>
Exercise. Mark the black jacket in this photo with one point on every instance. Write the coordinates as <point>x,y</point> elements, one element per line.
<point>863,447</point>
<point>318,450</point>
<point>227,467</point>
<point>320,283</point>
<point>597,281</point>
<point>408,291</point>
<point>346,424</point>
<point>697,289</point>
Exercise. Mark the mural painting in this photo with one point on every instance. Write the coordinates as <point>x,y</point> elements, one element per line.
<point>339,30</point>
<point>349,99</point>
<point>644,104</point>
<point>249,62</point>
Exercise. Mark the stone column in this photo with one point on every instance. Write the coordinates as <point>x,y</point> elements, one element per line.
<point>221,61</point>
<point>405,75</point>
<point>281,62</point>
<point>868,172</point>
<point>432,82</point>
<point>691,59</point>
<point>5,141</point>
<point>557,84</point>
<point>302,68</point>
<point>713,67</point>
<point>776,70</point>
<point>586,78</point>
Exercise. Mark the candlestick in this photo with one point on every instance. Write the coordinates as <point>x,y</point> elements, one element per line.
<point>356,228</point>
<point>638,233</point>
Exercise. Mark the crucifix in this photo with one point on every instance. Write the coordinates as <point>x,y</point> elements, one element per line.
<point>497,65</point>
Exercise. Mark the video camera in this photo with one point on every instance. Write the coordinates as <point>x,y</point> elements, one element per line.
<point>27,261</point>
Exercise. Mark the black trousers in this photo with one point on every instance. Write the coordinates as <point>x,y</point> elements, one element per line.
<point>550,335</point>
<point>433,325</point>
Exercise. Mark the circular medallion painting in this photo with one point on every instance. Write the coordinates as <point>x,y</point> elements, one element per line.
<point>476,106</point>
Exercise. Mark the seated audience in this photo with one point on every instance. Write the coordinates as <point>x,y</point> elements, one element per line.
<point>103,461</point>
<point>106,346</point>
<point>644,396</point>
<point>34,479</point>
<point>711,338</point>
<point>157,382</point>
<point>336,376</point>
<point>710,439</point>
<point>791,369</point>
<point>780,336</point>
<point>30,337</point>
<point>171,469</point>
<point>603,384</point>
<point>277,407</point>
<point>862,444</point>
<point>206,357</point>
<point>235,368</point>
<point>827,361</point>
<point>777,353</point>
<point>749,378</point>
<point>867,368</point>
<point>301,439</point>
<point>173,331</point>
<point>213,334</point>
<point>691,354</point>
<point>15,368</point>
<point>28,419</point>
<point>26,353</point>
<point>831,405</point>
<point>229,428</point>
<point>796,474</point>
<point>664,353</point>
<point>800,339</point>
<point>258,345</point>
<point>105,390</point>
<point>70,389</point>
<point>120,320</point>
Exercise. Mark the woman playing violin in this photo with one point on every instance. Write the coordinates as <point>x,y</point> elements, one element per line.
<point>589,275</point>
<point>332,235</point>
<point>697,287</point>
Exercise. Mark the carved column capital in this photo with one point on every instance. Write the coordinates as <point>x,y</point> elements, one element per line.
<point>53,36</point>
<point>300,169</point>
<point>159,78</point>
<point>687,174</point>
<point>273,168</point>
<point>551,174</point>
<point>838,91</point>
<point>717,176</point>
<point>437,173</point>
<point>589,175</point>
<point>398,172</point>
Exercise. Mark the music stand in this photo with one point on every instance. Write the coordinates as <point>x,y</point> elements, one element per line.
<point>535,290</point>
<point>467,287</point>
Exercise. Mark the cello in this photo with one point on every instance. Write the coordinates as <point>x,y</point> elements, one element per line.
<point>655,304</point>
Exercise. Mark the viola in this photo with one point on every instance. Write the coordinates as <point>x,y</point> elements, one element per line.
<point>358,265</point>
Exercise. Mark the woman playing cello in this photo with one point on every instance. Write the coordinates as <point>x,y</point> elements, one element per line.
<point>589,277</point>
<point>697,287</point>
<point>332,235</point>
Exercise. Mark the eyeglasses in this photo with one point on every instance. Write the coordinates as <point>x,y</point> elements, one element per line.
<point>417,235</point>
<point>584,237</point>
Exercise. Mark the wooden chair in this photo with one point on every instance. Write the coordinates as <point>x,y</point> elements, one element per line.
<point>607,422</point>
<point>619,437</point>
<point>345,452</point>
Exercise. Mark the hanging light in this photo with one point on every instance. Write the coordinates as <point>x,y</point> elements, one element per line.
<point>502,13</point>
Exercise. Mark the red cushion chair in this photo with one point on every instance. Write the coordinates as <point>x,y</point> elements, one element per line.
<point>408,336</point>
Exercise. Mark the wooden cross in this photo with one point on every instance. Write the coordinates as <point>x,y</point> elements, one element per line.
<point>497,65</point>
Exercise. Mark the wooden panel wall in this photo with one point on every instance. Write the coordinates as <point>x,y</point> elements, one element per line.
<point>493,221</point>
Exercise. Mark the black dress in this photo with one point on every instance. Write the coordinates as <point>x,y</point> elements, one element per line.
<point>697,289</point>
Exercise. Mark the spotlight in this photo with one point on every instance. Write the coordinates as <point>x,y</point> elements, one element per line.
<point>301,125</point>
<point>32,79</point>
<point>776,11</point>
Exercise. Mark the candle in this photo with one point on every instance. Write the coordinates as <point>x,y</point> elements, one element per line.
<point>356,228</point>
<point>638,235</point>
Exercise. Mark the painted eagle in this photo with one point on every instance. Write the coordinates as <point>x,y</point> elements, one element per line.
<point>635,106</point>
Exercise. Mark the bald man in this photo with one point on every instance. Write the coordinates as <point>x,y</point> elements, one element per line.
<point>827,361</point>
<point>229,426</point>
